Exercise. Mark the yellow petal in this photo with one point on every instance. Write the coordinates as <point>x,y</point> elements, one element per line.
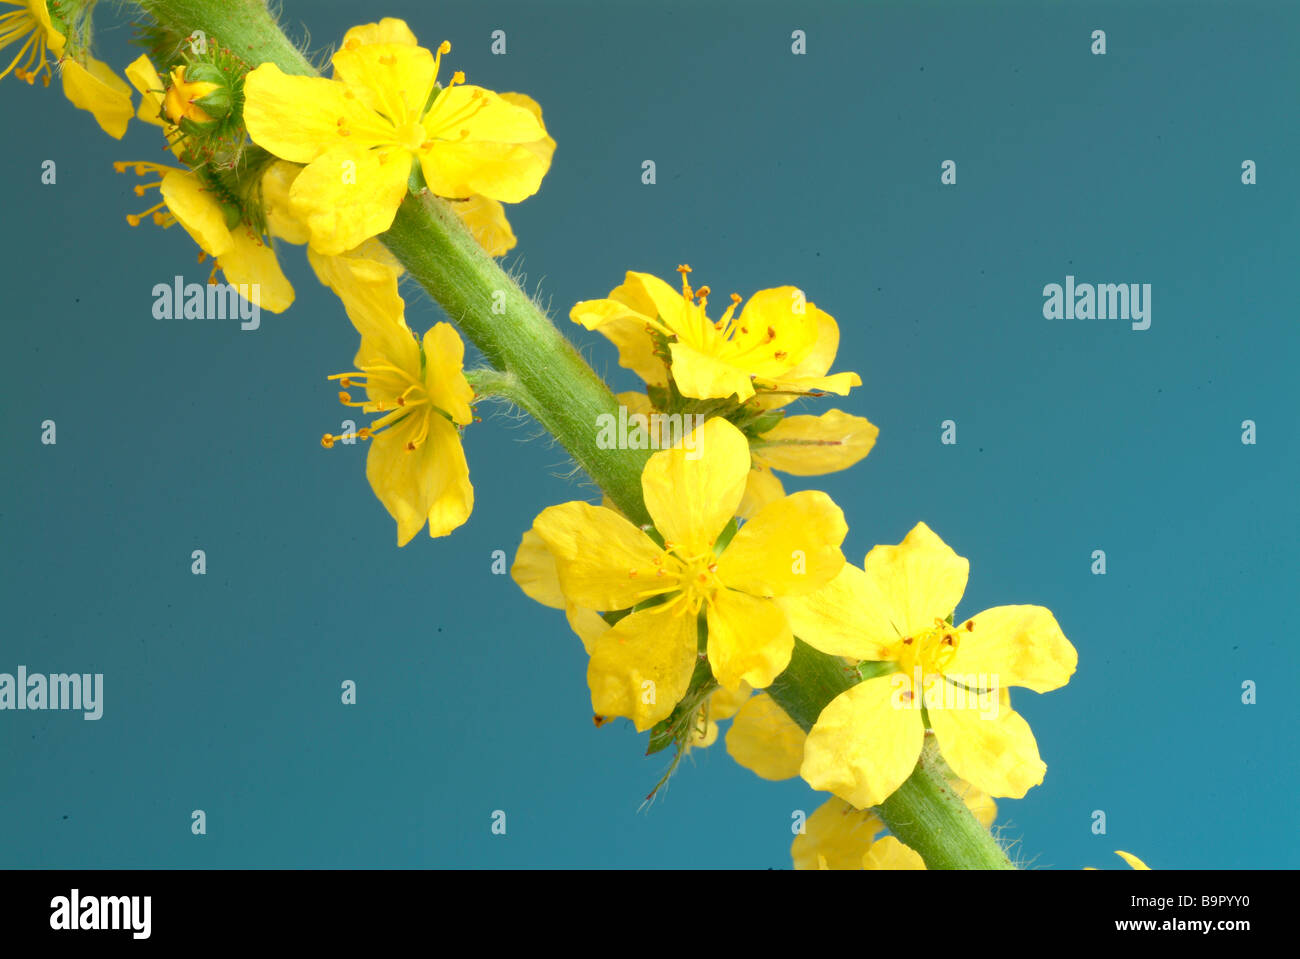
<point>393,78</point>
<point>725,703</point>
<point>250,263</point>
<point>811,373</point>
<point>368,289</point>
<point>444,379</point>
<point>836,836</point>
<point>101,91</point>
<point>627,330</point>
<point>535,573</point>
<point>995,753</point>
<point>862,746</point>
<point>705,376</point>
<point>749,639</point>
<point>277,182</point>
<point>920,579</point>
<point>350,194</point>
<point>480,143</point>
<point>814,445</point>
<point>652,297</point>
<point>144,77</point>
<point>765,740</point>
<point>40,12</point>
<point>588,624</point>
<point>977,801</point>
<point>641,668</point>
<point>595,550</point>
<point>1132,860</point>
<point>387,30</point>
<point>889,853</point>
<point>692,490</point>
<point>1015,646</point>
<point>790,548</point>
<point>297,118</point>
<point>197,211</point>
<point>762,487</point>
<point>772,337</point>
<point>486,220</point>
<point>846,617</point>
<point>429,483</point>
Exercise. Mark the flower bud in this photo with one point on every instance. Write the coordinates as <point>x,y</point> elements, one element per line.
<point>199,93</point>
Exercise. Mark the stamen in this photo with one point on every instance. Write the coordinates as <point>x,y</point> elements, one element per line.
<point>686,287</point>
<point>135,218</point>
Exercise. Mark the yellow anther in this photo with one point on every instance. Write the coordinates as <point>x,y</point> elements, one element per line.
<point>327,441</point>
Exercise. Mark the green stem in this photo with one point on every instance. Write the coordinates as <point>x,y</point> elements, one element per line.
<point>541,372</point>
<point>556,386</point>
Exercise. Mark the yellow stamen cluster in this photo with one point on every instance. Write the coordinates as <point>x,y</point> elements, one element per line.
<point>30,63</point>
<point>929,652</point>
<point>408,397</point>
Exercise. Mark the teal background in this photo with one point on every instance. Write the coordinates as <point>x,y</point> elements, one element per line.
<point>822,171</point>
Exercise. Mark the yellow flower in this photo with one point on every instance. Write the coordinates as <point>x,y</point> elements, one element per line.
<point>895,609</point>
<point>416,465</point>
<point>215,225</point>
<point>780,344</point>
<point>838,836</point>
<point>90,85</point>
<point>360,133</point>
<point>641,667</point>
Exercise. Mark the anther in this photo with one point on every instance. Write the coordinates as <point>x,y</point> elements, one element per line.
<point>327,441</point>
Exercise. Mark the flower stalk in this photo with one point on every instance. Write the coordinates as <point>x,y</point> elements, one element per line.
<point>542,373</point>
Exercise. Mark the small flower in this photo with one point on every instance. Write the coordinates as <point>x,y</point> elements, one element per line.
<point>90,84</point>
<point>416,464</point>
<point>360,132</point>
<point>216,225</point>
<point>896,609</point>
<point>642,666</point>
<point>780,344</point>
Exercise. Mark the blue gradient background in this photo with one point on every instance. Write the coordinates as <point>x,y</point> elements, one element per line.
<point>222,691</point>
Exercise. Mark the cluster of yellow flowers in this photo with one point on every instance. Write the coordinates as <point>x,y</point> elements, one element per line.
<point>688,619</point>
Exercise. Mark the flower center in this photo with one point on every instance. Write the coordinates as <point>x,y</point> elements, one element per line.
<point>393,392</point>
<point>928,653</point>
